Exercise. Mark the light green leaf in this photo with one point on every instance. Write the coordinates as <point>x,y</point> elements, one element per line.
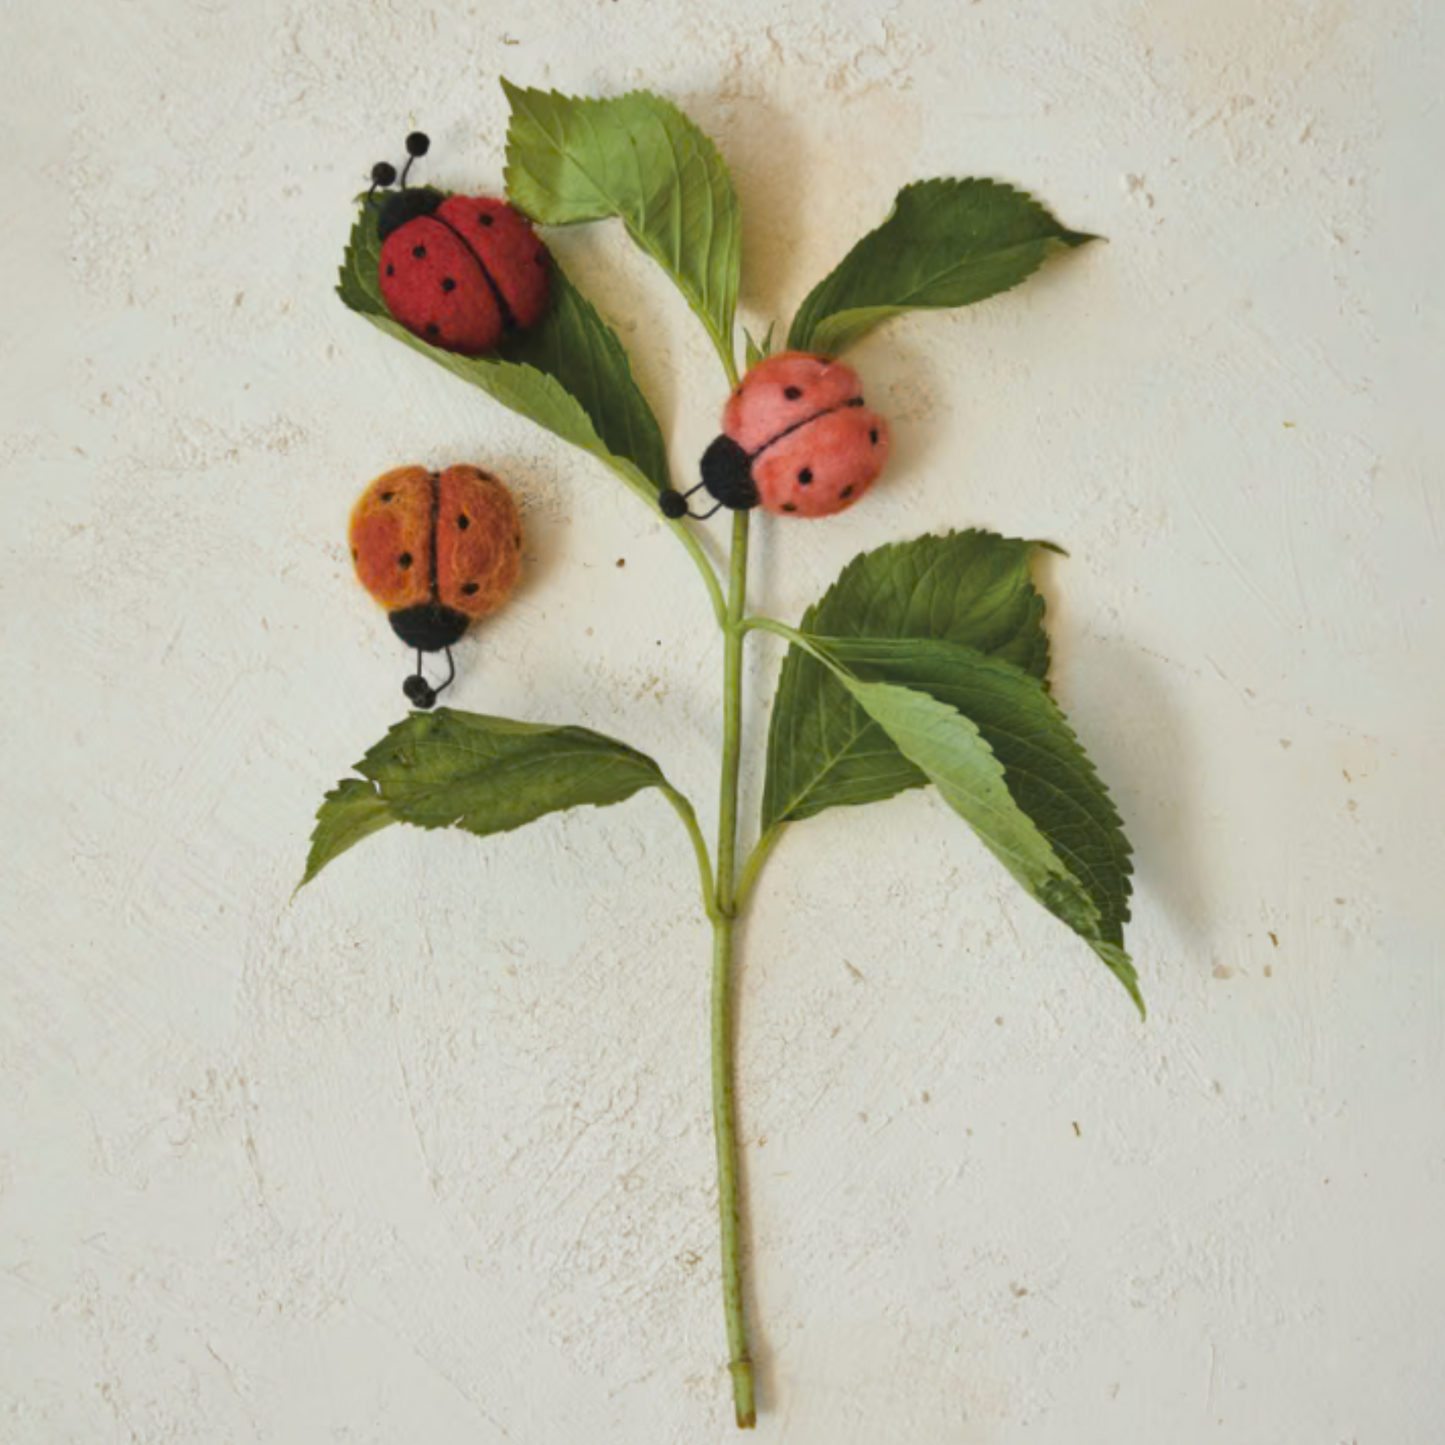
<point>946,243</point>
<point>758,351</point>
<point>973,588</point>
<point>568,374</point>
<point>1010,768</point>
<point>639,158</point>
<point>488,775</point>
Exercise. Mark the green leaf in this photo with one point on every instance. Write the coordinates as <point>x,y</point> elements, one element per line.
<point>488,775</point>
<point>973,588</point>
<point>945,243</point>
<point>992,741</point>
<point>759,351</point>
<point>641,159</point>
<point>568,374</point>
<point>351,811</point>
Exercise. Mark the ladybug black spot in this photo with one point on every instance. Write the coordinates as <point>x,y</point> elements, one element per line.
<point>463,522</point>
<point>387,496</point>
<point>448,284</point>
<point>873,436</point>
<point>485,218</point>
<point>789,507</point>
<point>432,329</point>
<point>805,476</point>
<point>856,401</point>
<point>792,392</point>
<point>404,561</point>
<point>471,589</point>
<point>391,270</point>
<point>846,492</point>
<point>419,252</point>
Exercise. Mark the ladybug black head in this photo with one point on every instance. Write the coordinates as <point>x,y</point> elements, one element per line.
<point>429,626</point>
<point>404,206</point>
<point>727,474</point>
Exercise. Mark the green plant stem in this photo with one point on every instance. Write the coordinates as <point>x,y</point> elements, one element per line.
<point>754,865</point>
<point>693,547</point>
<point>778,629</point>
<point>724,1122</point>
<point>699,846</point>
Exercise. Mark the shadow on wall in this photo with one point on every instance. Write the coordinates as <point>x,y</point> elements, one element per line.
<point>1149,767</point>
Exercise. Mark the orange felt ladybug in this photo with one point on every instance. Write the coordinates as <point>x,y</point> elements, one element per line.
<point>797,439</point>
<point>458,271</point>
<point>437,550</point>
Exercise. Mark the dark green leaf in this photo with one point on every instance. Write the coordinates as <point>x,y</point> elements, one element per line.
<point>946,243</point>
<point>1048,776</point>
<point>973,588</point>
<point>568,374</point>
<point>641,159</point>
<point>448,769</point>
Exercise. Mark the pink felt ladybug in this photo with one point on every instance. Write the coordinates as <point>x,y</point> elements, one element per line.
<point>458,271</point>
<point>797,439</point>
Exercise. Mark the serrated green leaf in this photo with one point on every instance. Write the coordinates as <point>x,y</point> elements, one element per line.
<point>1047,773</point>
<point>568,374</point>
<point>640,159</point>
<point>351,811</point>
<point>488,775</point>
<point>946,243</point>
<point>973,588</point>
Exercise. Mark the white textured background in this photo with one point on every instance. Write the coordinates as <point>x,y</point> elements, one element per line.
<point>424,1156</point>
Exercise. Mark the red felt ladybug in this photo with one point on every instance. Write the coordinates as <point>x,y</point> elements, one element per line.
<point>796,439</point>
<point>437,550</point>
<point>458,271</point>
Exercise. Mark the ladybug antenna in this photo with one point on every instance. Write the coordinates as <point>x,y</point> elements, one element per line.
<point>383,174</point>
<point>674,505</point>
<point>417,145</point>
<point>419,692</point>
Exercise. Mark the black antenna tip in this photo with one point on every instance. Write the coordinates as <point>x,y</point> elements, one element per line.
<point>419,692</point>
<point>673,504</point>
<point>418,143</point>
<point>383,173</point>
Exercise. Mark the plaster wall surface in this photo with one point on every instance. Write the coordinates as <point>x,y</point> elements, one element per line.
<point>425,1154</point>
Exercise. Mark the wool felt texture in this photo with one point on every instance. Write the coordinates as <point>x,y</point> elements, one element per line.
<point>814,446</point>
<point>464,273</point>
<point>437,549</point>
